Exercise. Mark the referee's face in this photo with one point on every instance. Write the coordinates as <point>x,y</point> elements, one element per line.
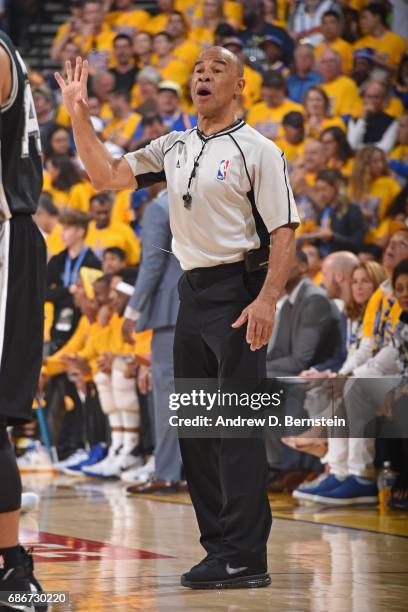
<point>217,81</point>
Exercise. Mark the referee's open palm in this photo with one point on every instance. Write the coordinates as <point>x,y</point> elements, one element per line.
<point>74,88</point>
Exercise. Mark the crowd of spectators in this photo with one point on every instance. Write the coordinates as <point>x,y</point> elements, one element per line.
<point>327,80</point>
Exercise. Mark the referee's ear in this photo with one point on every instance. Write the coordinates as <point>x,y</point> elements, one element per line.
<point>239,87</point>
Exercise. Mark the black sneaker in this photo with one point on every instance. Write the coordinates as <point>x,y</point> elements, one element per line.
<point>14,580</point>
<point>35,586</point>
<point>214,573</point>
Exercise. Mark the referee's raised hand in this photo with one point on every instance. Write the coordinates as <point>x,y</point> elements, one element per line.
<point>74,88</point>
<point>259,316</point>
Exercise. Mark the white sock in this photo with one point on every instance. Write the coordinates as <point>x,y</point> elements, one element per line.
<point>130,420</point>
<point>115,421</point>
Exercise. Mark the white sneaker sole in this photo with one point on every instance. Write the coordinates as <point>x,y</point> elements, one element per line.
<point>302,495</point>
<point>352,501</point>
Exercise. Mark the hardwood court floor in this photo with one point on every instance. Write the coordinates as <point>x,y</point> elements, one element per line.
<point>112,552</point>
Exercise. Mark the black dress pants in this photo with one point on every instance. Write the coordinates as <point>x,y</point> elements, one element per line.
<point>227,477</point>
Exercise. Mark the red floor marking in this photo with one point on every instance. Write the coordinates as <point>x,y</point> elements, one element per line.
<point>54,547</point>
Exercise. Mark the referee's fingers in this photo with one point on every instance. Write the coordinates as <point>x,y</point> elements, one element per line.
<point>251,330</point>
<point>243,318</point>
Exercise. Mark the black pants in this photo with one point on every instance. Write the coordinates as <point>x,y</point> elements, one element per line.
<point>22,292</point>
<point>227,477</point>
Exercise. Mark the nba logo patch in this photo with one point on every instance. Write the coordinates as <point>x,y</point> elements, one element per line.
<point>222,170</point>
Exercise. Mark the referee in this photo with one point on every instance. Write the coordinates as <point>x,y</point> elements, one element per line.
<point>228,195</point>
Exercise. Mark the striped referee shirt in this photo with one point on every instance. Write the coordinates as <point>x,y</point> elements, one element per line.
<point>227,191</point>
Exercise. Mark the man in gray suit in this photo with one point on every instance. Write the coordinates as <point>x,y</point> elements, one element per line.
<point>154,305</point>
<point>309,333</point>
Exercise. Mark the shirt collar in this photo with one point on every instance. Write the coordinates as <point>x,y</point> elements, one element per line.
<point>295,292</point>
<point>228,130</point>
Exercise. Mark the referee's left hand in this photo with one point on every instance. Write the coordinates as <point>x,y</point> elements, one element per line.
<point>260,316</point>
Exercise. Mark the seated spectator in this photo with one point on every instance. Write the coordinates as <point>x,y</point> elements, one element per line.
<point>338,151</point>
<point>102,86</point>
<point>68,31</point>
<point>303,180</point>
<point>305,19</point>
<point>158,23</point>
<point>372,188</point>
<point>104,233</point>
<point>305,327</point>
<point>266,116</point>
<point>318,117</point>
<point>47,219</point>
<point>399,154</point>
<point>233,12</point>
<point>347,458</point>
<point>256,28</point>
<point>392,105</point>
<point>58,143</point>
<point>388,47</point>
<point>61,176</point>
<point>401,86</point>
<point>143,47</point>
<point>150,127</point>
<point>274,13</point>
<point>45,110</point>
<point>332,39</point>
<point>121,128</point>
<point>314,263</point>
<point>304,75</point>
<point>375,127</point>
<point>168,101</point>
<point>341,224</point>
<point>341,90</point>
<point>113,260</point>
<point>126,18</point>
<point>363,66</point>
<point>253,80</point>
<point>62,275</point>
<point>67,50</point>
<point>204,26</point>
<point>169,66</point>
<point>293,143</point>
<point>272,46</point>
<point>396,218</point>
<point>184,49</point>
<point>145,91</point>
<point>125,70</point>
<point>96,37</point>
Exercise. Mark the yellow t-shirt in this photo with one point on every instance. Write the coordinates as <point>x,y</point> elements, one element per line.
<point>80,196</point>
<point>54,365</point>
<point>54,241</point>
<point>291,151</point>
<point>48,320</point>
<point>233,12</point>
<point>128,21</point>
<point>346,168</point>
<point>202,36</point>
<point>343,48</point>
<point>380,318</point>
<point>343,95</point>
<point>268,121</point>
<point>99,48</point>
<point>400,153</point>
<point>318,279</point>
<point>326,123</point>
<point>174,70</point>
<point>381,193</point>
<point>253,84</point>
<point>122,128</point>
<point>116,234</point>
<point>121,211</point>
<point>390,44</point>
<point>157,24</point>
<point>187,52</point>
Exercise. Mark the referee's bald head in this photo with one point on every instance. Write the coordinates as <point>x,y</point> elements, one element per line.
<point>217,79</point>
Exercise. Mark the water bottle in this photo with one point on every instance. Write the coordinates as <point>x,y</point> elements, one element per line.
<point>386,480</point>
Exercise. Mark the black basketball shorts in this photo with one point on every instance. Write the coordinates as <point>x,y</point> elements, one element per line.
<point>22,293</point>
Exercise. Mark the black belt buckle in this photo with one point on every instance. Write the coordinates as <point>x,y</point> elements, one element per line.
<point>256,259</point>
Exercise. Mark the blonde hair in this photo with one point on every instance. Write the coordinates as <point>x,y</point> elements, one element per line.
<point>361,177</point>
<point>376,273</point>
